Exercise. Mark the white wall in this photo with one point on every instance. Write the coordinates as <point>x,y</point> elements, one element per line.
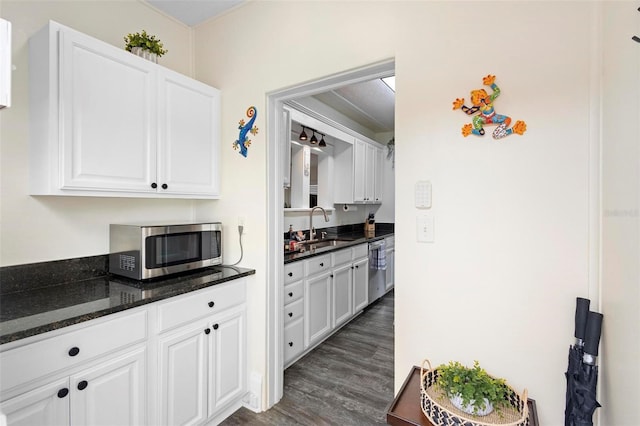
<point>512,229</point>
<point>620,349</point>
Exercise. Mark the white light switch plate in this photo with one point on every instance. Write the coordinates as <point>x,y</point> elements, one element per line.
<point>424,228</point>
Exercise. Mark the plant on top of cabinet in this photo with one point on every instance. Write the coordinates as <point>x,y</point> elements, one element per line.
<point>145,45</point>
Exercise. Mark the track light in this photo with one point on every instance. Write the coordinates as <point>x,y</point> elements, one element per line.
<point>322,142</point>
<point>303,135</point>
<point>314,140</point>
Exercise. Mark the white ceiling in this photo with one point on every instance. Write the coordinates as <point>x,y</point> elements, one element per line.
<point>370,104</point>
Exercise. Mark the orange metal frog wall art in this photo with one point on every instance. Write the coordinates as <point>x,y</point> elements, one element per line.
<point>483,102</point>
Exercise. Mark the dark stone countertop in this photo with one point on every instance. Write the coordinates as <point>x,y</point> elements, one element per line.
<point>28,308</point>
<point>354,238</point>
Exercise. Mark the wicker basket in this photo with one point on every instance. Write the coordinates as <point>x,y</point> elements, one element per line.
<point>441,412</point>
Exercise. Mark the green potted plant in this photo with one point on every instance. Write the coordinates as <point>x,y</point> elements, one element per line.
<point>472,390</point>
<point>145,45</point>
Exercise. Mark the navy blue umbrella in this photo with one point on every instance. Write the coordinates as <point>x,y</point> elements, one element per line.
<point>582,373</point>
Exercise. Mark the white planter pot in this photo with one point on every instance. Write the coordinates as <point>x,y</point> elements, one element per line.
<point>469,409</point>
<point>144,53</point>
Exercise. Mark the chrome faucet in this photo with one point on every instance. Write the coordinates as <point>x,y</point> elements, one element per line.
<point>312,232</point>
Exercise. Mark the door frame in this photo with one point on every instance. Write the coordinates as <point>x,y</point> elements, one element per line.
<point>275,202</point>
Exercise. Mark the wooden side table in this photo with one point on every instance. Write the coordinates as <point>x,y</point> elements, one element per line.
<point>405,409</point>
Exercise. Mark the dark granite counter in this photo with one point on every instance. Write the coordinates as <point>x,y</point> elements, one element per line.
<point>42,297</point>
<point>350,235</point>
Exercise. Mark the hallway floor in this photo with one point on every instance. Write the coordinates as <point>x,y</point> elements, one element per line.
<point>347,380</point>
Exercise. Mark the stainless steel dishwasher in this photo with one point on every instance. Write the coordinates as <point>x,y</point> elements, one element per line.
<point>377,267</point>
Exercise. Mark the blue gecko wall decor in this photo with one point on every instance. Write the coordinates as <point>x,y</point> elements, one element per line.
<point>243,141</point>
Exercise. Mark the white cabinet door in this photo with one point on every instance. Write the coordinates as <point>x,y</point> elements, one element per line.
<point>342,295</point>
<point>188,136</point>
<point>227,357</point>
<point>378,175</point>
<point>360,171</point>
<point>360,284</point>
<point>317,309</point>
<point>183,375</point>
<point>112,393</point>
<point>107,117</point>
<point>390,271</point>
<point>369,176</point>
<point>45,405</point>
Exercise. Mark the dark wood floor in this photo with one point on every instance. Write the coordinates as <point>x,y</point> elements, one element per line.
<point>347,380</point>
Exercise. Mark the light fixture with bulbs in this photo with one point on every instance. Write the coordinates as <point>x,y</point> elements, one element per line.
<point>303,135</point>
<point>314,139</point>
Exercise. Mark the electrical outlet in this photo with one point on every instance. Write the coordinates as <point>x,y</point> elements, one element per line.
<point>241,223</point>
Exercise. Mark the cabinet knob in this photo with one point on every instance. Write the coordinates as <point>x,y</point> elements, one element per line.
<point>63,392</point>
<point>82,385</point>
<point>291,344</point>
<point>165,186</point>
<point>331,275</point>
<point>352,267</point>
<point>154,185</point>
<point>215,326</point>
<point>74,351</point>
<point>322,264</point>
<point>207,330</point>
<point>357,266</point>
<point>290,314</point>
<point>211,304</point>
<point>290,294</point>
<point>290,274</point>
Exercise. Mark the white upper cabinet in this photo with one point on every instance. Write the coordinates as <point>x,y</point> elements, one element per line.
<point>359,172</point>
<point>104,122</point>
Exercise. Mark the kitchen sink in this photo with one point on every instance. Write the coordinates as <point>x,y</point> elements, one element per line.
<point>318,244</point>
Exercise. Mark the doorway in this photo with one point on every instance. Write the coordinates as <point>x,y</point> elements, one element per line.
<point>276,153</point>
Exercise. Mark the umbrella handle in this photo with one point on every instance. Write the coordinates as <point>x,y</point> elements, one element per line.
<point>592,338</point>
<point>582,312</point>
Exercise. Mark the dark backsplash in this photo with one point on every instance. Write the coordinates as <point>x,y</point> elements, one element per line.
<point>47,274</point>
<point>334,231</point>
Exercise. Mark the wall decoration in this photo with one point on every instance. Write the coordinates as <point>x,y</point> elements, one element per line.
<point>243,141</point>
<point>483,102</point>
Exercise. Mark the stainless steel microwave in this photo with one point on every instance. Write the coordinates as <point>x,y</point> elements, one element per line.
<point>149,251</point>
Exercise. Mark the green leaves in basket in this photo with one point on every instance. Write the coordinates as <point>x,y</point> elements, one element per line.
<point>472,384</point>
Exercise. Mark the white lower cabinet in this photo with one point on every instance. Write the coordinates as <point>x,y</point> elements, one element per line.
<point>202,368</point>
<point>202,354</point>
<point>317,309</point>
<point>79,389</point>
<point>321,294</point>
<point>181,361</point>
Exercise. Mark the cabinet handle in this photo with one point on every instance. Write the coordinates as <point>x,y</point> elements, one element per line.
<point>331,275</point>
<point>357,266</point>
<point>63,392</point>
<point>290,274</point>
<point>74,351</point>
<point>154,185</point>
<point>290,314</point>
<point>322,264</point>
<point>211,304</point>
<point>165,186</point>
<point>352,267</point>
<point>207,330</point>
<point>82,385</point>
<point>215,326</point>
<point>290,294</point>
<point>291,344</point>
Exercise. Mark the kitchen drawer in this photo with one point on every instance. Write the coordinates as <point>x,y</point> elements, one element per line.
<point>293,340</point>
<point>341,257</point>
<point>35,360</point>
<point>293,272</point>
<point>185,309</point>
<point>360,251</point>
<point>293,292</point>
<point>293,311</point>
<point>317,264</point>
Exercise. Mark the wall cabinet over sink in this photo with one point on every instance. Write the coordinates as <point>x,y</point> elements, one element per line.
<point>104,122</point>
